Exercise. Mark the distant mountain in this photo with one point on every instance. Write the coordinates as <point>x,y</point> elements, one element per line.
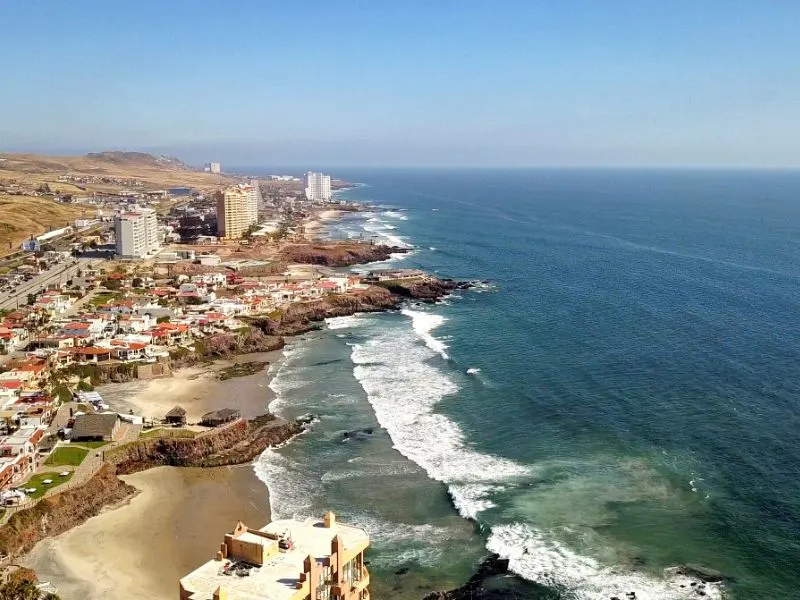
<point>143,159</point>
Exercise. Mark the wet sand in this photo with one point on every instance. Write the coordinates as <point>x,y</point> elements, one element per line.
<point>319,222</point>
<point>143,548</point>
<point>197,389</point>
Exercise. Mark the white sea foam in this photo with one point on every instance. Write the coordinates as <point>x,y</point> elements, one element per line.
<point>290,488</point>
<point>425,322</point>
<point>433,248</point>
<point>371,470</point>
<point>536,556</point>
<point>343,322</point>
<point>473,371</point>
<point>396,214</point>
<point>404,389</point>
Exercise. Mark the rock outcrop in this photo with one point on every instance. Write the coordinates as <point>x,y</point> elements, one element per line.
<point>474,589</point>
<point>236,443</point>
<point>338,254</point>
<point>302,317</point>
<point>429,290</point>
<point>58,513</point>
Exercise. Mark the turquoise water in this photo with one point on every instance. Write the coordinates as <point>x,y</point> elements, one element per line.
<point>621,399</point>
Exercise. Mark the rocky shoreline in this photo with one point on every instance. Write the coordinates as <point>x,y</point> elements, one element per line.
<point>239,442</point>
<point>235,444</point>
<point>338,254</point>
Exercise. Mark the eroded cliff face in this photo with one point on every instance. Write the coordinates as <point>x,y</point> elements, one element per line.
<point>302,317</point>
<point>338,254</point>
<point>430,290</point>
<point>237,443</point>
<point>58,513</point>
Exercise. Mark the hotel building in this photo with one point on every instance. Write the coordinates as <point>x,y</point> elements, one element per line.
<point>318,187</point>
<point>136,233</point>
<point>315,559</point>
<point>237,210</point>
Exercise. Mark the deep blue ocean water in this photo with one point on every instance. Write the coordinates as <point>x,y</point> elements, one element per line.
<point>620,399</point>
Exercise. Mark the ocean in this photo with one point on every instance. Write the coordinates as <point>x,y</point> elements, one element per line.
<point>620,398</point>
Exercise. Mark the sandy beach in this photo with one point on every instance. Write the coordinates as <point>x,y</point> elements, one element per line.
<point>141,549</point>
<point>318,222</point>
<point>197,389</point>
<point>180,515</point>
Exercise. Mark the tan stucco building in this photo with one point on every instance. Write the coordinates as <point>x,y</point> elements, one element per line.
<point>317,559</point>
<point>237,210</point>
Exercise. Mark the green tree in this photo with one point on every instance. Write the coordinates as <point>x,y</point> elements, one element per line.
<point>24,590</point>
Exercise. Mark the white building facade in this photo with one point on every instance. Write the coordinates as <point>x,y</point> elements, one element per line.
<point>318,187</point>
<point>136,233</point>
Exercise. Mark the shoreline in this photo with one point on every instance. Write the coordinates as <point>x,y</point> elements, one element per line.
<point>183,512</point>
<point>173,523</point>
<point>81,561</point>
<point>198,389</point>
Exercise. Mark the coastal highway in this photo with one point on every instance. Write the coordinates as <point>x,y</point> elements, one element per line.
<point>19,296</point>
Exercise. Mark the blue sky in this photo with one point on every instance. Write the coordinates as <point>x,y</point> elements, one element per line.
<point>406,82</point>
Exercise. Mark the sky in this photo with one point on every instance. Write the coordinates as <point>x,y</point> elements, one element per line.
<point>623,83</point>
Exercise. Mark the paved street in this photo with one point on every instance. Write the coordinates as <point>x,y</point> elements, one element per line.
<point>19,296</point>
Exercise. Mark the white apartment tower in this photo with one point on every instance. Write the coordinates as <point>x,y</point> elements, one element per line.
<point>136,233</point>
<point>318,187</point>
<point>215,168</point>
<point>237,210</point>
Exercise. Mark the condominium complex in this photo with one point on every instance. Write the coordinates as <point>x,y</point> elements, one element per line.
<point>237,210</point>
<point>136,233</point>
<point>315,559</point>
<point>213,167</point>
<point>318,187</point>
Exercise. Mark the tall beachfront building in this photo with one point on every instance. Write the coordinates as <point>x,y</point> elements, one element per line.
<point>136,233</point>
<point>318,187</point>
<point>286,560</point>
<point>237,210</point>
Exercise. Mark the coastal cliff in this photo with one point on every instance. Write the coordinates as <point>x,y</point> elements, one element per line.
<point>237,443</point>
<point>302,317</point>
<point>338,254</point>
<point>63,511</point>
<point>429,290</point>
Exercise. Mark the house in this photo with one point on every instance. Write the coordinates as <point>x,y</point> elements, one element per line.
<point>176,416</point>
<point>128,350</point>
<point>9,390</point>
<point>53,302</point>
<point>93,354</point>
<point>96,427</point>
<point>135,324</point>
<point>166,334</point>
<point>9,340</point>
<point>219,417</point>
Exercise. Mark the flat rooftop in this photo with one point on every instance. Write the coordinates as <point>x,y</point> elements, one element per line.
<point>276,579</point>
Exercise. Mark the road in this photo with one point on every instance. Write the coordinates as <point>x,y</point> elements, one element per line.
<point>59,273</point>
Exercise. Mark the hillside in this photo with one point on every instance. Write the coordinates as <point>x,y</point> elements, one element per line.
<point>23,216</point>
<point>154,172</point>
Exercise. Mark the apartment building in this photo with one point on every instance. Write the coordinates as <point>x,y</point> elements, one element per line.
<point>315,559</point>
<point>237,210</point>
<point>318,187</point>
<point>136,233</point>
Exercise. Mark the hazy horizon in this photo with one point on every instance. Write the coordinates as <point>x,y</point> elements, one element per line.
<point>476,83</point>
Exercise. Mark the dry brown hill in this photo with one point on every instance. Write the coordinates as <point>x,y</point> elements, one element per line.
<point>153,171</point>
<point>24,213</point>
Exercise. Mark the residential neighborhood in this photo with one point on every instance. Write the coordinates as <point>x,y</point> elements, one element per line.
<point>123,316</point>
